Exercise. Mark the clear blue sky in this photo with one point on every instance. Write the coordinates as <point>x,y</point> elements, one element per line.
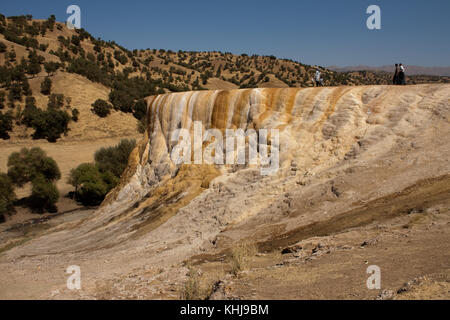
<point>326,32</point>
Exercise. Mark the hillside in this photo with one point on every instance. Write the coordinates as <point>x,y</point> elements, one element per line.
<point>83,69</point>
<point>363,179</point>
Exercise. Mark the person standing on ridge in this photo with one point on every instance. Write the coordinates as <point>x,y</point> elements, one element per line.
<point>317,77</point>
<point>401,75</point>
<point>395,79</point>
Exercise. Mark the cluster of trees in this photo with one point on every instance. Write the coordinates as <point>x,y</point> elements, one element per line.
<point>93,181</point>
<point>51,123</point>
<point>31,165</point>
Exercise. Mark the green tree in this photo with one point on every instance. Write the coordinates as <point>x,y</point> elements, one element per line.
<point>91,186</point>
<point>2,47</point>
<point>46,86</point>
<point>6,124</point>
<point>115,159</point>
<point>44,195</point>
<point>2,99</point>
<point>51,67</point>
<point>27,164</point>
<point>75,115</point>
<point>101,108</point>
<point>55,101</point>
<point>50,124</point>
<point>140,109</point>
<point>7,196</point>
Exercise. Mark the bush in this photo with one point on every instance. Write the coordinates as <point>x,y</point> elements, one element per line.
<point>50,124</point>
<point>115,159</point>
<point>51,67</point>
<point>75,114</point>
<point>101,108</point>
<point>44,195</point>
<point>91,186</point>
<point>2,47</point>
<point>140,109</point>
<point>28,164</point>
<point>29,113</point>
<point>2,99</point>
<point>7,195</point>
<point>6,124</point>
<point>240,257</point>
<point>46,86</point>
<point>55,101</point>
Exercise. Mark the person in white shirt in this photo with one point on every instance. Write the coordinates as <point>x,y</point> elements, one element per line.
<point>401,75</point>
<point>317,78</point>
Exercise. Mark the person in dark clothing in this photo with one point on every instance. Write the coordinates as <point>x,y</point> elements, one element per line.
<point>395,79</point>
<point>401,75</point>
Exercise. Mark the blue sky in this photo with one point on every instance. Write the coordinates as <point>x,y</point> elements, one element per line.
<point>326,32</point>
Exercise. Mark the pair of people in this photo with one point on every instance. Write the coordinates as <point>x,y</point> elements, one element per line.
<point>399,75</point>
<point>318,79</point>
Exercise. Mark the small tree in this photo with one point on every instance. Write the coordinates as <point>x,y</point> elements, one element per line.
<point>90,186</point>
<point>27,164</point>
<point>2,47</point>
<point>46,86</point>
<point>44,195</point>
<point>6,124</point>
<point>115,159</point>
<point>50,124</point>
<point>51,67</point>
<point>7,195</point>
<point>75,115</point>
<point>101,108</point>
<point>55,101</point>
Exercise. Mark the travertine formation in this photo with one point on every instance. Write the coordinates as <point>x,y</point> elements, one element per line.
<point>339,147</point>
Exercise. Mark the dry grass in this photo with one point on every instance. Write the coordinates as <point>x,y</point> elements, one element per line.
<point>241,257</point>
<point>196,288</point>
<point>191,290</point>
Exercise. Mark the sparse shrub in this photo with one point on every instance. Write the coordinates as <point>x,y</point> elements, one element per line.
<point>191,290</point>
<point>75,114</point>
<point>44,195</point>
<point>101,108</point>
<point>55,101</point>
<point>7,195</point>
<point>240,257</point>
<point>46,86</point>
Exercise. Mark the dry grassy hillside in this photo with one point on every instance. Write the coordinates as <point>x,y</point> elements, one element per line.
<point>91,69</point>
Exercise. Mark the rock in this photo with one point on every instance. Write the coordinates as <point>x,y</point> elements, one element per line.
<point>386,295</point>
